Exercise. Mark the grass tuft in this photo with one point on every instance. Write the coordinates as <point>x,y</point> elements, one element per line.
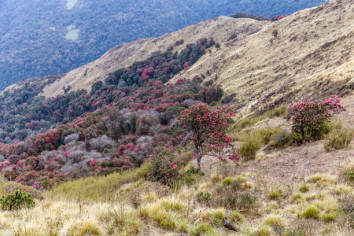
<point>338,139</point>
<point>304,188</point>
<point>311,212</point>
<point>84,228</point>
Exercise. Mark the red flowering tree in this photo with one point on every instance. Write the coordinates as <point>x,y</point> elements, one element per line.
<point>207,126</point>
<point>308,117</point>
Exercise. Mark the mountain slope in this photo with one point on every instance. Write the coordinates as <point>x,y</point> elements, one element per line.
<point>220,29</point>
<point>39,38</point>
<point>312,56</point>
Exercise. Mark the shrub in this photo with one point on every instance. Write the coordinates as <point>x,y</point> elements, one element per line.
<point>311,212</point>
<point>191,176</point>
<point>308,117</point>
<point>202,229</point>
<point>263,231</point>
<point>165,169</point>
<point>227,181</point>
<point>203,197</point>
<point>297,197</point>
<point>16,201</point>
<point>274,195</point>
<point>217,216</point>
<point>338,139</point>
<point>237,216</point>
<point>274,221</point>
<point>329,217</point>
<point>231,199</point>
<point>304,188</point>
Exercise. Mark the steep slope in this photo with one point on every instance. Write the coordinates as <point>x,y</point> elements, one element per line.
<point>39,38</point>
<point>124,55</point>
<point>310,56</point>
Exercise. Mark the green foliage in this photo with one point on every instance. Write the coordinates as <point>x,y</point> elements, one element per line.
<point>217,216</point>
<point>329,217</point>
<point>16,201</point>
<point>311,212</point>
<point>191,176</point>
<point>203,197</point>
<point>237,216</point>
<point>274,195</point>
<point>262,231</point>
<point>202,229</point>
<point>304,188</point>
<point>227,181</point>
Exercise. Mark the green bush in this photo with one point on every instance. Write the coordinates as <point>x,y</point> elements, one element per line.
<point>203,197</point>
<point>304,188</point>
<point>202,229</point>
<point>274,195</point>
<point>338,139</point>
<point>16,201</point>
<point>311,213</point>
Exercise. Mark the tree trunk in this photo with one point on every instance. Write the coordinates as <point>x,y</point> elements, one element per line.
<point>199,156</point>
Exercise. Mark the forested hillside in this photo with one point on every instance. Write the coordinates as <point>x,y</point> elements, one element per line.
<point>39,38</point>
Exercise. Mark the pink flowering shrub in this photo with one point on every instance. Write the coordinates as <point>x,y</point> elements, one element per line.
<point>309,117</point>
<point>207,127</point>
<point>93,163</point>
<point>165,169</point>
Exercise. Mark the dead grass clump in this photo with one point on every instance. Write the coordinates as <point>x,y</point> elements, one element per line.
<point>84,228</point>
<point>301,227</point>
<point>242,201</point>
<point>123,220</point>
<point>338,139</point>
<point>252,142</point>
<point>321,180</point>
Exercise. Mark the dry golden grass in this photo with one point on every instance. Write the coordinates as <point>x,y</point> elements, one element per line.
<point>310,57</point>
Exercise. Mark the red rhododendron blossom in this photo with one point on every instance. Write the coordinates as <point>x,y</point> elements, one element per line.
<point>207,127</point>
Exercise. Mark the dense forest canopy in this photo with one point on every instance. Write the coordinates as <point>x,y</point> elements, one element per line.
<point>39,38</point>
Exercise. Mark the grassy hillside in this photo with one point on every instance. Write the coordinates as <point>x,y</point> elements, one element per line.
<point>39,38</point>
<point>291,190</point>
<point>120,159</point>
<point>306,55</point>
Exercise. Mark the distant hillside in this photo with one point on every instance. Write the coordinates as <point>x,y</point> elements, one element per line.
<point>39,38</point>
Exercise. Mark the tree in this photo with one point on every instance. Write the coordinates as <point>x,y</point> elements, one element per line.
<point>206,126</point>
